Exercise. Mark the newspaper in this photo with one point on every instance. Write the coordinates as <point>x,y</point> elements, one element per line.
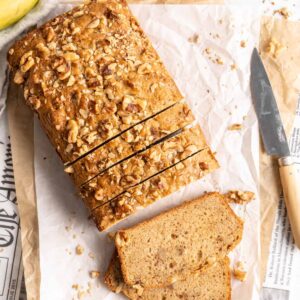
<point>11,269</point>
<point>282,281</point>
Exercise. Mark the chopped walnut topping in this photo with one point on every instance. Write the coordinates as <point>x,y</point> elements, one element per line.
<point>73,131</point>
<point>119,288</point>
<point>11,51</point>
<point>18,78</point>
<point>283,12</point>
<point>239,271</point>
<point>240,197</point>
<point>94,274</point>
<point>274,48</point>
<point>26,62</point>
<point>69,169</point>
<point>79,250</point>
<point>94,24</point>
<point>50,35</point>
<point>43,49</point>
<point>235,126</point>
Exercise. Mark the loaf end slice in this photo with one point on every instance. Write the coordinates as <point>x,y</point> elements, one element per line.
<point>176,243</point>
<point>214,283</point>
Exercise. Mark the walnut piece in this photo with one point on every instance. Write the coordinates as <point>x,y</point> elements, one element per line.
<point>79,250</point>
<point>240,197</point>
<point>94,274</point>
<point>274,48</point>
<point>235,126</point>
<point>239,271</point>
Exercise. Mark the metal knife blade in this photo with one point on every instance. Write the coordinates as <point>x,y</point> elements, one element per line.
<point>272,130</point>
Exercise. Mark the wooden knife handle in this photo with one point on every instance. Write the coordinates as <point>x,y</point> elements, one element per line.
<point>291,190</point>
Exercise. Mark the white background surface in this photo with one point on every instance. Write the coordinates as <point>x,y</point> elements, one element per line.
<point>228,101</point>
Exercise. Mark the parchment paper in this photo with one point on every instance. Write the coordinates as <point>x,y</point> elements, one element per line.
<point>219,97</point>
<point>284,73</point>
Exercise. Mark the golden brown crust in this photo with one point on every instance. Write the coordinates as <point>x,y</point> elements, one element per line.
<point>123,237</point>
<point>142,166</point>
<point>159,186</point>
<point>131,141</point>
<point>90,74</point>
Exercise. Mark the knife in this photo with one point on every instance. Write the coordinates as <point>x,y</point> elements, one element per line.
<point>275,141</point>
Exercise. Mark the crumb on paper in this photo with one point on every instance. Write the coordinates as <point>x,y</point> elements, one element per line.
<point>233,67</point>
<point>194,39</point>
<point>79,249</point>
<point>94,274</point>
<point>91,255</point>
<point>235,126</point>
<point>239,272</point>
<point>75,286</point>
<point>207,50</point>
<point>283,12</point>
<point>219,61</point>
<point>240,197</point>
<point>274,48</point>
<point>111,235</point>
<point>74,236</point>
<point>68,228</point>
<point>220,21</point>
<point>243,44</point>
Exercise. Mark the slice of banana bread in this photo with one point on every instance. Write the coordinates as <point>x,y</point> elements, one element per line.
<point>176,243</point>
<point>213,283</point>
<point>155,188</point>
<point>142,166</point>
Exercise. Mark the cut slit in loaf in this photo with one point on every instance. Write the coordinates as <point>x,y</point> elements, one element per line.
<point>213,283</point>
<point>142,166</point>
<point>177,243</point>
<point>130,142</point>
<point>90,74</point>
<point>155,188</point>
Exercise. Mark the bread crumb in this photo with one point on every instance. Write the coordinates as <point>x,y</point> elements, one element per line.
<point>233,67</point>
<point>235,126</point>
<point>75,286</point>
<point>240,197</point>
<point>91,255</point>
<point>94,274</point>
<point>219,61</point>
<point>274,48</point>
<point>243,44</point>
<point>283,12</point>
<point>194,39</point>
<point>79,249</point>
<point>207,50</point>
<point>111,235</point>
<point>239,271</point>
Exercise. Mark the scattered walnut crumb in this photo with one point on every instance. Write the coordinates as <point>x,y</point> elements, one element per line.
<point>79,249</point>
<point>233,66</point>
<point>207,50</point>
<point>194,39</point>
<point>239,271</point>
<point>240,197</point>
<point>243,44</point>
<point>111,235</point>
<point>235,126</point>
<point>274,48</point>
<point>91,255</point>
<point>283,12</point>
<point>219,61</point>
<point>94,274</point>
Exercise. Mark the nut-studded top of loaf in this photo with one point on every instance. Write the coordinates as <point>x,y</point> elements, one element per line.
<point>90,74</point>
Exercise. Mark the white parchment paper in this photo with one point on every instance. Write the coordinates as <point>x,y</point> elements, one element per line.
<point>219,97</point>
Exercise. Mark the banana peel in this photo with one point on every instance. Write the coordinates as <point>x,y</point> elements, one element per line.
<point>12,11</point>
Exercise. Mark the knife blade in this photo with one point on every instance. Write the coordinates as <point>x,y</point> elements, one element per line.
<point>272,131</point>
<point>274,139</point>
